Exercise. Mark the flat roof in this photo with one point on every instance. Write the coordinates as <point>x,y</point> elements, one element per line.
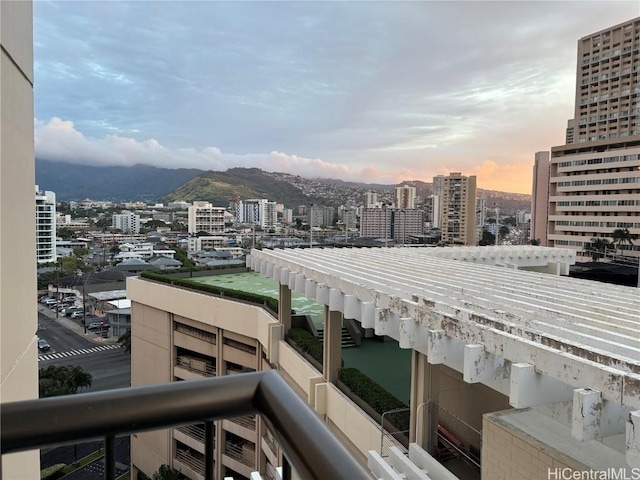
<point>579,332</point>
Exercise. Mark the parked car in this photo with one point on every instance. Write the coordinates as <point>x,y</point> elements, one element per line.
<point>77,314</point>
<point>43,345</point>
<point>70,299</point>
<point>69,311</point>
<point>98,326</point>
<point>50,301</point>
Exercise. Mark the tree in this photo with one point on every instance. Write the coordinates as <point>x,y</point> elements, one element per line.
<point>64,380</point>
<point>598,247</point>
<point>535,241</point>
<point>622,237</point>
<point>65,233</point>
<point>487,238</point>
<point>165,472</point>
<point>125,341</point>
<point>181,256</point>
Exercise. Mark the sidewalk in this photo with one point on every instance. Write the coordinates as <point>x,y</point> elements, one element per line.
<point>71,325</point>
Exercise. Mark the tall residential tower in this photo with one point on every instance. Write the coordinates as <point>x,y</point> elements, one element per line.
<point>594,185</point>
<point>458,209</point>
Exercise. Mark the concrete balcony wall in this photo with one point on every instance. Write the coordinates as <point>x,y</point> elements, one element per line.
<point>194,344</point>
<point>188,441</point>
<point>298,370</point>
<point>240,430</point>
<point>232,354</point>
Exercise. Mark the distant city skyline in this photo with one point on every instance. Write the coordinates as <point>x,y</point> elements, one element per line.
<point>379,92</point>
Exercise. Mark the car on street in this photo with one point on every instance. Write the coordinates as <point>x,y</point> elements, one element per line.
<point>96,326</point>
<point>43,345</point>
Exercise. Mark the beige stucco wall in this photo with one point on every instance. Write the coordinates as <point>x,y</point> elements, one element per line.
<point>18,318</point>
<point>509,456</point>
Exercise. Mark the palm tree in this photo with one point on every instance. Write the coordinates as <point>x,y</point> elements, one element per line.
<point>63,380</point>
<point>598,247</point>
<point>165,472</point>
<point>622,237</point>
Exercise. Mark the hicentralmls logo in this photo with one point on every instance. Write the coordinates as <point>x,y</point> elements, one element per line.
<point>621,473</point>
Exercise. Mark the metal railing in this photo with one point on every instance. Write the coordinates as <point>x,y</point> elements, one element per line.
<point>190,460</point>
<point>196,333</point>
<point>238,453</point>
<point>270,443</point>
<point>196,366</point>
<point>248,421</point>
<point>193,431</point>
<point>308,444</point>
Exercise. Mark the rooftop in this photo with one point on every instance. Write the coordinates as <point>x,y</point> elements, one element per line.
<point>439,301</point>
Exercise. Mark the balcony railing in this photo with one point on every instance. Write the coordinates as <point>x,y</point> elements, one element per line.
<point>196,366</point>
<point>246,422</point>
<point>193,431</point>
<point>271,443</point>
<point>307,443</point>
<point>194,463</point>
<point>238,453</point>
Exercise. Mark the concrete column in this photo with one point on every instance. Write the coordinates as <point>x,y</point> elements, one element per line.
<point>424,392</point>
<point>284,307</point>
<point>332,344</point>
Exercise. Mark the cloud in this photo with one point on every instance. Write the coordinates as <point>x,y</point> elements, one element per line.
<point>59,140</point>
<point>355,90</point>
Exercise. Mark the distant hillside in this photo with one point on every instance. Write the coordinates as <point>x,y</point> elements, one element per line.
<point>118,184</point>
<point>221,187</point>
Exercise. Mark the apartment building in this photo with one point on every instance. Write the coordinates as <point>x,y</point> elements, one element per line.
<point>370,200</point>
<point>540,198</point>
<point>594,180</point>
<point>405,197</point>
<point>432,211</point>
<point>204,217</point>
<point>438,185</point>
<point>45,226</point>
<point>321,216</point>
<point>260,212</point>
<point>375,223</point>
<point>127,222</point>
<point>18,318</point>
<point>458,209</point>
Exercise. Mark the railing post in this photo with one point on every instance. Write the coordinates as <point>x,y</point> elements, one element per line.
<point>209,439</point>
<point>110,458</point>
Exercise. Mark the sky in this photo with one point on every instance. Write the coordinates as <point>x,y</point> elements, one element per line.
<point>371,91</point>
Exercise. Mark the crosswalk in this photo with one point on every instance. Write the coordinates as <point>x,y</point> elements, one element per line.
<point>79,351</point>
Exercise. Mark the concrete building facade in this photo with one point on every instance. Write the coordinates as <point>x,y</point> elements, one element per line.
<point>458,210</point>
<point>540,198</point>
<point>594,184</point>
<point>405,197</point>
<point>260,212</point>
<point>127,222</point>
<point>45,226</point>
<point>18,318</point>
<point>204,217</point>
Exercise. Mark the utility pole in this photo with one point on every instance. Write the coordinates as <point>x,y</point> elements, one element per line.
<point>497,225</point>
<point>84,305</point>
<point>311,227</point>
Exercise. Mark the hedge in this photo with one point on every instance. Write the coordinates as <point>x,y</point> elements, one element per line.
<point>271,303</point>
<point>52,472</point>
<point>376,396</point>
<point>308,343</point>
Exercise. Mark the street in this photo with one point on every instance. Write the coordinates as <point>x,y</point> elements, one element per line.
<point>110,368</point>
<point>60,337</point>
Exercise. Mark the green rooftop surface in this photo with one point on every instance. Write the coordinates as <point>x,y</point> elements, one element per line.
<point>384,362</point>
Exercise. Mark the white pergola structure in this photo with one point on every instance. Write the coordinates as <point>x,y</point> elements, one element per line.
<point>536,338</point>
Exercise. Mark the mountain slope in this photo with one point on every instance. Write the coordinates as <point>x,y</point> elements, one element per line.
<point>221,187</point>
<point>136,183</point>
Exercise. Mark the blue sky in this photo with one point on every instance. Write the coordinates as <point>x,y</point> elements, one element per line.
<point>368,91</point>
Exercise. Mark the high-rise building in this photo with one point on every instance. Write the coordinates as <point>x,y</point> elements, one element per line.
<point>370,199</point>
<point>257,211</point>
<point>432,211</point>
<point>438,185</point>
<point>321,216</point>
<point>594,185</point>
<point>127,222</point>
<point>375,223</point>
<point>18,318</point>
<point>406,197</point>
<point>540,198</point>
<point>458,209</point>
<point>204,217</point>
<point>45,226</point>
